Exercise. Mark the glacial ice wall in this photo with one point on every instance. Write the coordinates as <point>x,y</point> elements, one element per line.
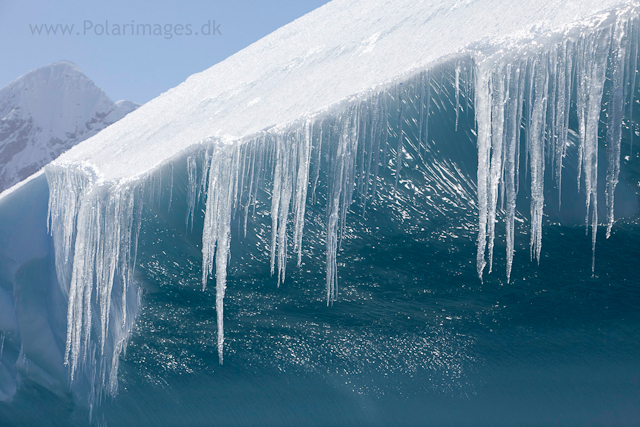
<point>531,102</point>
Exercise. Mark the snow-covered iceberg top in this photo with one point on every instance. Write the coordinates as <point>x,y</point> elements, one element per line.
<point>345,48</point>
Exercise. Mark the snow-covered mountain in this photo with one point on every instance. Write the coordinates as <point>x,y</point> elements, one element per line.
<point>47,111</point>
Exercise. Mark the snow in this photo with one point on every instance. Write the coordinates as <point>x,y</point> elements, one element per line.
<point>20,184</point>
<point>122,108</point>
<point>40,91</point>
<point>313,64</point>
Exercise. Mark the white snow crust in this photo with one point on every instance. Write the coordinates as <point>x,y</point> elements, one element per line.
<point>342,49</point>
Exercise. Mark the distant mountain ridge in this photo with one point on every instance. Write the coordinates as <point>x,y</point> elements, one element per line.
<point>47,111</point>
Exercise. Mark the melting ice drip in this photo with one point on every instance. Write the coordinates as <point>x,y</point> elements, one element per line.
<point>521,96</point>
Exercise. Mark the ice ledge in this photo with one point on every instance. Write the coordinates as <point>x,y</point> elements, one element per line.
<point>317,62</point>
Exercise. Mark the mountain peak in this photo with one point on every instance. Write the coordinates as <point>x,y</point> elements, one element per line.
<point>56,70</point>
<point>63,64</point>
<point>47,111</point>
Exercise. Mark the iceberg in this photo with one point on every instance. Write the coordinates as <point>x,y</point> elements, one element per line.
<point>394,115</point>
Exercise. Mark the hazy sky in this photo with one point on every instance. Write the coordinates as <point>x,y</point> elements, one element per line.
<point>135,67</point>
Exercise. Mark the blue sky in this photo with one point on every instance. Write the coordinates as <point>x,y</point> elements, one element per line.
<point>135,67</point>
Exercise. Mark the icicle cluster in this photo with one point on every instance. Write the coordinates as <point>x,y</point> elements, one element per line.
<point>235,176</point>
<point>95,231</point>
<point>197,170</point>
<point>217,226</point>
<point>536,93</point>
<point>523,104</point>
<point>346,149</point>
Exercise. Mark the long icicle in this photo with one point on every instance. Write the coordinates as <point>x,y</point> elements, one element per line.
<point>616,115</point>
<point>483,117</point>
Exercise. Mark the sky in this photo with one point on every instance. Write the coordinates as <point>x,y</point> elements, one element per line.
<point>190,36</point>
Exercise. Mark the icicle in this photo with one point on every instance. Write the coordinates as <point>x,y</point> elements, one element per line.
<point>421,142</point>
<point>581,102</point>
<point>530,70</point>
<point>385,132</point>
<point>205,159</point>
<point>288,156</point>
<point>316,168</point>
<point>503,148</point>
<point>633,70</point>
<point>400,150</point>
<point>170,186</point>
<point>104,227</point>
<point>427,108</point>
<point>339,197</point>
<point>66,190</point>
<point>548,85</point>
<point>260,169</point>
<point>253,154</point>
<point>371,118</point>
<point>616,115</point>
<point>192,176</point>
<point>483,117</point>
<point>497,89</point>
<point>362,150</point>
<point>457,94</point>
<point>235,190</point>
<point>469,88</point>
<point>518,124</point>
<point>130,254</point>
<point>283,187</point>
<point>349,177</point>
<point>216,234</point>
<point>564,76</point>
<point>512,152</point>
<point>304,160</point>
<point>552,100</point>
<point>275,204</point>
<point>376,132</point>
<point>249,148</point>
<point>594,64</point>
<point>536,145</point>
